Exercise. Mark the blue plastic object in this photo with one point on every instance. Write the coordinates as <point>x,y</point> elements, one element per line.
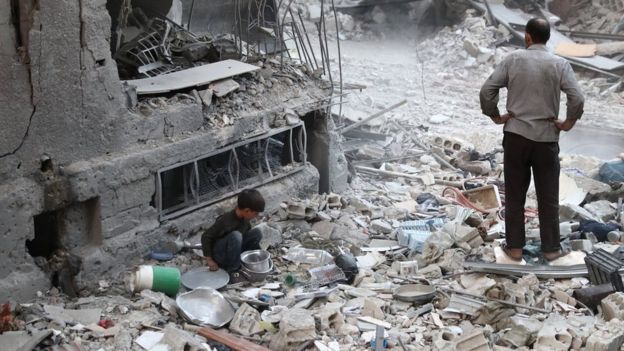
<point>161,255</point>
<point>384,344</point>
<point>612,172</point>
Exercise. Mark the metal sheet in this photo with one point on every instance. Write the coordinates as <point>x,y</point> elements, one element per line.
<point>192,77</point>
<point>546,272</point>
<point>509,17</point>
<point>204,277</point>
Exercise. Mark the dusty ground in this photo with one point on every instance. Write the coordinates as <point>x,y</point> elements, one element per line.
<point>436,79</point>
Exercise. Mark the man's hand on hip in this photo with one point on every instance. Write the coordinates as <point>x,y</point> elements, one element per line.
<point>212,264</point>
<point>564,125</point>
<point>502,119</point>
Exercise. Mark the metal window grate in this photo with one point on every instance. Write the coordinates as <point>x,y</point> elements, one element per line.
<point>187,186</point>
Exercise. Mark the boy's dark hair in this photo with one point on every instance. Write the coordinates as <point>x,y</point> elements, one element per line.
<point>251,199</point>
<point>538,29</point>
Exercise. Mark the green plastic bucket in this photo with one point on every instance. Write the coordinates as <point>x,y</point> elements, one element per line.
<point>156,278</point>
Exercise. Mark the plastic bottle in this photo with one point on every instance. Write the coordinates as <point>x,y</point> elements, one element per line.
<point>309,256</point>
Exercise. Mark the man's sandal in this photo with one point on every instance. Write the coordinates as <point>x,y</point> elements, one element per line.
<point>557,254</point>
<point>507,252</point>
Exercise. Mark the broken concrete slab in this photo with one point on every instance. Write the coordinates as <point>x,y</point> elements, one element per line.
<point>22,340</point>
<point>602,209</point>
<point>472,341</point>
<point>246,321</point>
<point>296,327</point>
<point>609,337</point>
<point>554,335</point>
<point>223,87</point>
<point>381,226</point>
<point>613,306</point>
<point>63,316</point>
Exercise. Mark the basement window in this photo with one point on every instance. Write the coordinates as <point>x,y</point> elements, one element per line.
<point>210,178</point>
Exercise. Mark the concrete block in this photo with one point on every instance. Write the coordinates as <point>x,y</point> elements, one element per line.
<point>296,327</point>
<point>574,212</point>
<point>472,341</point>
<point>371,152</point>
<point>324,228</point>
<point>607,338</point>
<point>246,321</point>
<point>334,201</point>
<point>381,226</point>
<point>554,336</point>
<point>562,296</point>
<point>296,210</point>
<point>602,209</point>
<point>613,306</point>
<point>311,210</point>
<point>469,235</point>
<point>330,317</point>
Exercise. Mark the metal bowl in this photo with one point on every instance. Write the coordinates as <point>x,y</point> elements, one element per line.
<point>256,260</point>
<point>205,306</point>
<point>419,293</point>
<point>255,277</point>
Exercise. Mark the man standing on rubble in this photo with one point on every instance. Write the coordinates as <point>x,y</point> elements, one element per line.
<point>534,79</point>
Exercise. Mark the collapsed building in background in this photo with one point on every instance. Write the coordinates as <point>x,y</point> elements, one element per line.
<point>131,122</point>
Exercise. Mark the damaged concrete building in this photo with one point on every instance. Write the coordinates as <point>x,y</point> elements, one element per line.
<point>127,123</point>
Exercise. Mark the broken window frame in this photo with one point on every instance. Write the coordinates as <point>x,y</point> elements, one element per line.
<point>297,142</point>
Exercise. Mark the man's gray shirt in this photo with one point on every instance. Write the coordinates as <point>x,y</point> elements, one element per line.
<point>534,79</point>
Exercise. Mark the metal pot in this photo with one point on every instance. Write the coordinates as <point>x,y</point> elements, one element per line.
<point>255,277</point>
<point>257,261</point>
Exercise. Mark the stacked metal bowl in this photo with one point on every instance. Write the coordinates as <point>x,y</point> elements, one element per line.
<point>257,264</point>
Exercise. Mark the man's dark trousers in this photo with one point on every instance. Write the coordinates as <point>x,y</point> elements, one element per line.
<point>521,156</point>
<point>226,250</point>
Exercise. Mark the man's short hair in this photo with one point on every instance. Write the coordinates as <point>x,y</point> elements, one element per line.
<point>538,29</point>
<point>251,199</point>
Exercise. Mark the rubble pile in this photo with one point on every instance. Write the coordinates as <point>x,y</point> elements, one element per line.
<point>408,258</point>
<point>398,260</point>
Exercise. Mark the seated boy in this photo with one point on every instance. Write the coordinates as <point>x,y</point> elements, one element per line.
<point>231,234</point>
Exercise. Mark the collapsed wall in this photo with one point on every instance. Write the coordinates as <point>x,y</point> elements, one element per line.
<point>93,176</point>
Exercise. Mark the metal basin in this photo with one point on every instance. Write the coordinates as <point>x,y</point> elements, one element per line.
<point>205,306</point>
<point>419,293</point>
<point>255,277</point>
<point>256,260</point>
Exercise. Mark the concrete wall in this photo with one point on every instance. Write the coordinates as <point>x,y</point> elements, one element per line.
<point>61,99</point>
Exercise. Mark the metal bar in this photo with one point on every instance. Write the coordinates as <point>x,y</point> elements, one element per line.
<point>266,158</point>
<point>301,57</point>
<point>339,60</point>
<point>159,193</point>
<point>493,20</point>
<point>229,169</point>
<point>590,35</point>
<point>307,39</point>
<point>235,145</point>
<point>290,144</point>
<point>304,143</point>
<point>494,300</point>
<point>372,117</point>
<point>388,159</point>
<point>579,270</point>
<point>183,211</point>
<point>196,193</point>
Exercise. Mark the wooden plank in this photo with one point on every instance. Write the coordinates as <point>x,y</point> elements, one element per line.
<point>233,342</point>
<point>192,77</point>
<point>575,50</point>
